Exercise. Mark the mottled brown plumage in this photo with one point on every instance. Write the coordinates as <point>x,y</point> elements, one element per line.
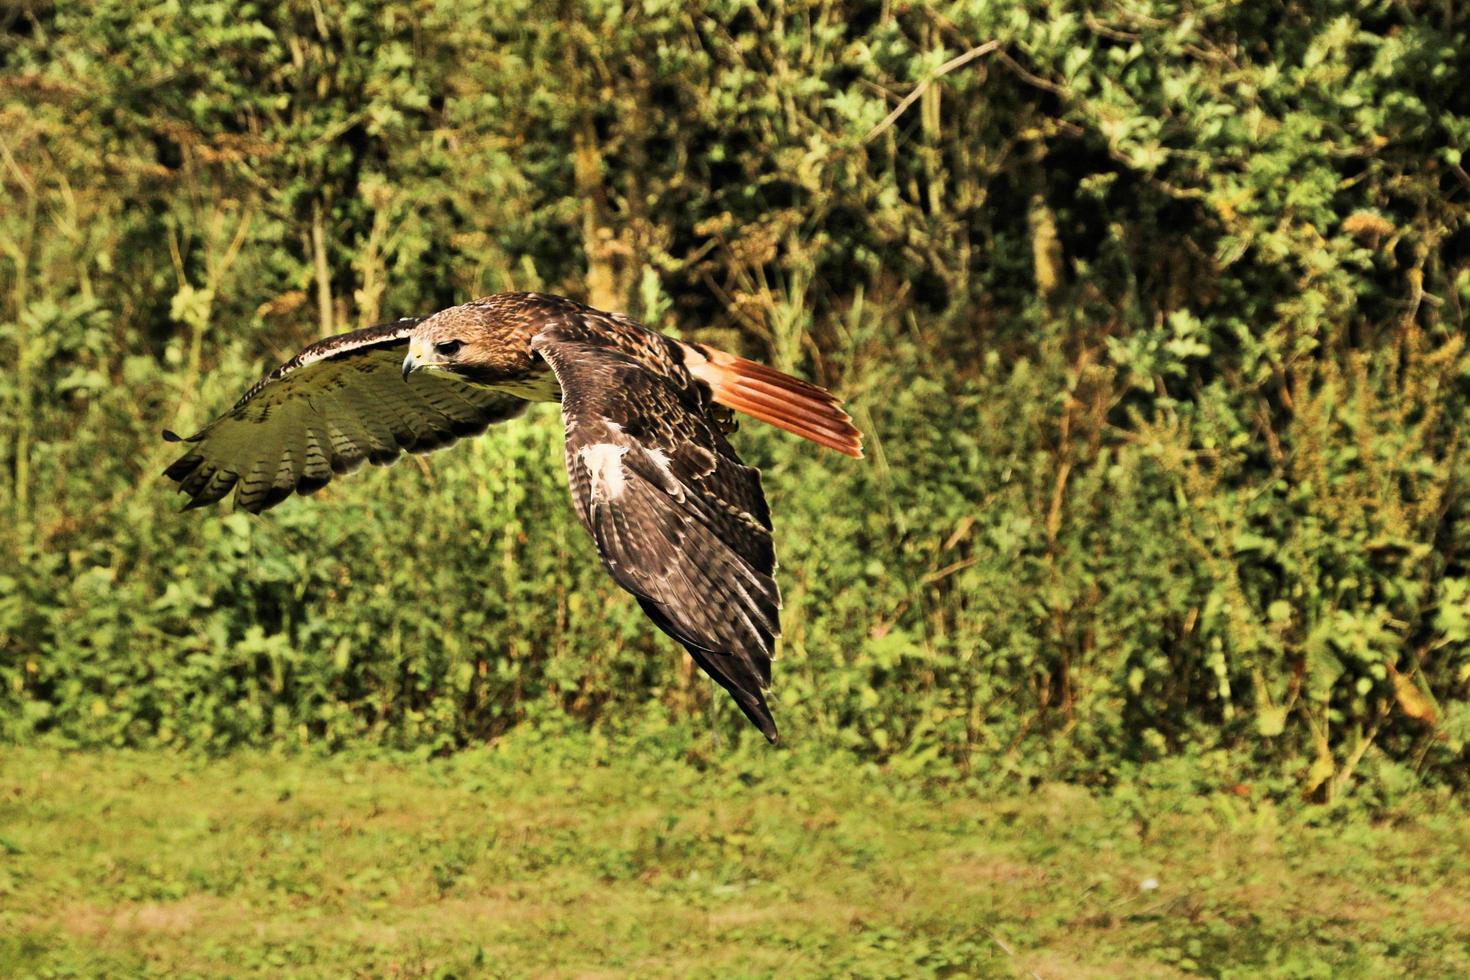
<point>679,521</point>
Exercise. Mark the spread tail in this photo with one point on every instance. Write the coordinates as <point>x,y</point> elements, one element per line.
<point>788,403</point>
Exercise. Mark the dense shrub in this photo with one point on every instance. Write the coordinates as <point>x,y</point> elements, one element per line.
<point>1154,312</point>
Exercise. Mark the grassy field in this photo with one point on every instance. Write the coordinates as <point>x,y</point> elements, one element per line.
<point>572,856</point>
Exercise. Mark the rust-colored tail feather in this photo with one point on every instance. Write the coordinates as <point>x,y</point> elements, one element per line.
<point>785,402</point>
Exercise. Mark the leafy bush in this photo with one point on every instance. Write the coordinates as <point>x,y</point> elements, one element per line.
<point>1155,317</point>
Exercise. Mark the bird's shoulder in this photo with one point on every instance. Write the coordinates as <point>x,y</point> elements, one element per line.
<point>345,345</point>
<point>627,344</point>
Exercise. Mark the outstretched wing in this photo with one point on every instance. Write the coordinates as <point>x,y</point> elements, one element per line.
<point>679,521</point>
<point>338,403</point>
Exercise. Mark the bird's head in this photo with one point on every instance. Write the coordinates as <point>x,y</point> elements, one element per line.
<point>473,341</point>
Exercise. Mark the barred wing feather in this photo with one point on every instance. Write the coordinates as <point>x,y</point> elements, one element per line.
<point>339,403</point>
<point>679,521</point>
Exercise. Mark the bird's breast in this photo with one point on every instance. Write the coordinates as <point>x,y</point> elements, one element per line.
<point>538,386</point>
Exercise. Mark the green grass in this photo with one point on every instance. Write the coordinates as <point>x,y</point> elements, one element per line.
<point>577,856</point>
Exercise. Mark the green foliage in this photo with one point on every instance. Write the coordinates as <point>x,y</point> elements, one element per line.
<point>1154,314</point>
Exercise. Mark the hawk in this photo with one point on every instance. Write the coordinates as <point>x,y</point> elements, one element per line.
<point>679,520</point>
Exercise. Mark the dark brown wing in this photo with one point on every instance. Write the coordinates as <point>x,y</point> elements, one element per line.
<point>338,403</point>
<point>679,521</point>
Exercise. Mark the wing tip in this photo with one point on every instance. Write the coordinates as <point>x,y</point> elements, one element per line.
<point>766,724</point>
<point>169,435</point>
<point>753,705</point>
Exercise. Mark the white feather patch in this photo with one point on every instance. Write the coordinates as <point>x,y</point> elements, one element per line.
<point>604,462</point>
<point>670,482</point>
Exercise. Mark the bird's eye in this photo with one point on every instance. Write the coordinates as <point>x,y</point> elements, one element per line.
<point>448,348</point>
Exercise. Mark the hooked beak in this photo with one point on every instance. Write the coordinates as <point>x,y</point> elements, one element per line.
<point>412,362</point>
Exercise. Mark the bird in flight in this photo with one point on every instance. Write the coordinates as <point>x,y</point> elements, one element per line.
<point>679,521</point>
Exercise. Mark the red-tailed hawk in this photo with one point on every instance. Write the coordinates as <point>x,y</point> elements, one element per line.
<point>679,521</point>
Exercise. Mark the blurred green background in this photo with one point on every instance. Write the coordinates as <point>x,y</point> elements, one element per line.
<point>1139,645</point>
<point>1154,315</point>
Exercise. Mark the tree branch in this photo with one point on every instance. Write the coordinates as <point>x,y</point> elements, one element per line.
<point>929,79</point>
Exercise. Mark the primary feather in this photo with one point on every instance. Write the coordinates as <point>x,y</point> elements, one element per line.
<point>339,403</point>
